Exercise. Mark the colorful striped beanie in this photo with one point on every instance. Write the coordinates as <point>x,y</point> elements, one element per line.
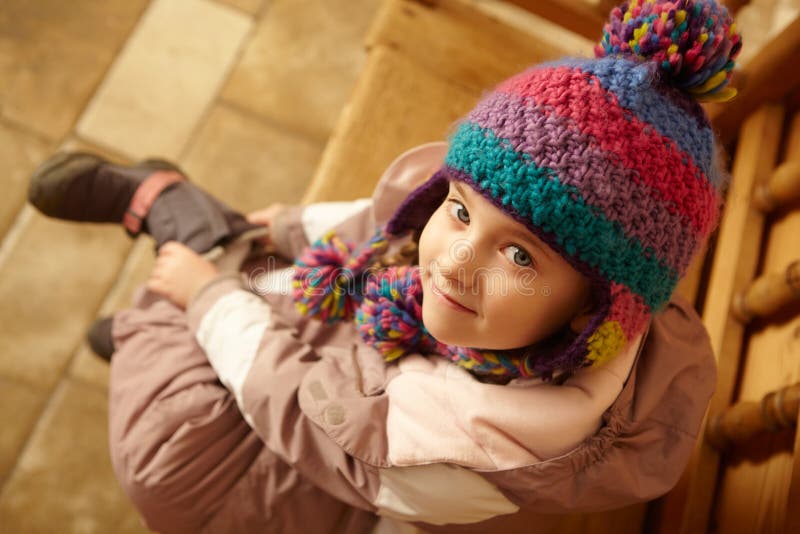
<point>611,161</point>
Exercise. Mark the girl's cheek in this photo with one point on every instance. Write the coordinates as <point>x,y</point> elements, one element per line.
<point>424,248</point>
<point>526,283</point>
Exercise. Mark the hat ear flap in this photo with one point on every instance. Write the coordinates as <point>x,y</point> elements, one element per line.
<point>419,205</point>
<point>625,316</point>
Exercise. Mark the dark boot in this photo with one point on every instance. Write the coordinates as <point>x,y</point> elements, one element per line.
<point>152,196</point>
<point>99,337</point>
<point>78,186</point>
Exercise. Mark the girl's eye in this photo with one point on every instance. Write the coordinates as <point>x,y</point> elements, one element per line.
<point>518,256</point>
<point>458,211</point>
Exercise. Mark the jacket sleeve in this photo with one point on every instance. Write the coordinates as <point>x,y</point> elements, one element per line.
<point>243,338</point>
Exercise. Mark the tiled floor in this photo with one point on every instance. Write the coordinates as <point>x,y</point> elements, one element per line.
<point>242,93</point>
<point>228,88</point>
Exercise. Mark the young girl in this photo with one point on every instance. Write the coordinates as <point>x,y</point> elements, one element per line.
<point>505,347</point>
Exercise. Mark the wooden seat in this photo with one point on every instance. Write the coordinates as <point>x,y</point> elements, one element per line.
<point>428,64</point>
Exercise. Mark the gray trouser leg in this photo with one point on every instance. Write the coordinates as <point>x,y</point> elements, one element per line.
<point>187,214</point>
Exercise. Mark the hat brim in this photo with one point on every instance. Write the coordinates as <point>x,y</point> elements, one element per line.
<point>419,205</point>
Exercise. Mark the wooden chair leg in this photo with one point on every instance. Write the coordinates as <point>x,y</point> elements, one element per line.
<point>745,421</point>
<point>768,293</point>
<point>782,188</point>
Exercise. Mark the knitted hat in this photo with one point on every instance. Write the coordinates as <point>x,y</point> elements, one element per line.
<point>611,161</point>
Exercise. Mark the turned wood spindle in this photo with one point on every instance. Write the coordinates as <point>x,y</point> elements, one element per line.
<point>768,293</point>
<point>781,188</point>
<point>746,420</point>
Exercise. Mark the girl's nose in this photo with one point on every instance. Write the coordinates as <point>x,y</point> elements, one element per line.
<point>458,263</point>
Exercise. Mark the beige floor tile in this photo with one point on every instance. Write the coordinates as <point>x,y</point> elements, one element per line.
<point>248,164</point>
<point>20,153</point>
<point>75,143</point>
<point>19,408</point>
<point>53,277</point>
<point>54,53</point>
<point>86,366</point>
<point>64,476</point>
<point>252,7</point>
<point>165,78</point>
<point>302,62</point>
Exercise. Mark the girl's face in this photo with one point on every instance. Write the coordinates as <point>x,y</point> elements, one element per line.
<point>488,282</point>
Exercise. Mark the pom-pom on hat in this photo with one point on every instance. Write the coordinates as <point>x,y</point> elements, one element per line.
<point>611,161</point>
<point>692,43</point>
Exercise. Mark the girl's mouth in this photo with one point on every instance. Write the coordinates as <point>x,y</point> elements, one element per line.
<point>449,301</point>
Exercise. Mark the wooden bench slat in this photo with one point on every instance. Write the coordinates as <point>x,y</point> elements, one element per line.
<point>457,42</point>
<point>579,16</point>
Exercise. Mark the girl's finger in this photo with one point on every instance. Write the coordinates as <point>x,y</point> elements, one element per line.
<point>169,247</point>
<point>266,215</point>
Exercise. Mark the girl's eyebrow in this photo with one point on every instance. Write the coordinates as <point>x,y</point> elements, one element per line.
<point>521,234</point>
<point>458,188</point>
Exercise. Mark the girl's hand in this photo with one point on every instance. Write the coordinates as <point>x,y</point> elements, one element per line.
<point>179,273</point>
<point>265,217</point>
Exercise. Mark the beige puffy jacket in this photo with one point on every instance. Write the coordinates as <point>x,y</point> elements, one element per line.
<point>242,416</point>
